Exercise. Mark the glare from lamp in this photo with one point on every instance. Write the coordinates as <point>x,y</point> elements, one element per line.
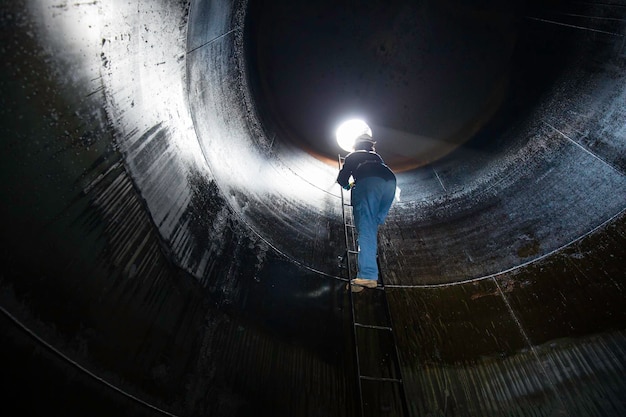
<point>348,131</point>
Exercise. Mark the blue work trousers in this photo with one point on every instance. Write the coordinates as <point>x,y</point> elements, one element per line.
<point>371,200</point>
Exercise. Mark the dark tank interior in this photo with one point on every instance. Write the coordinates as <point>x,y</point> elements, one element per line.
<point>171,225</point>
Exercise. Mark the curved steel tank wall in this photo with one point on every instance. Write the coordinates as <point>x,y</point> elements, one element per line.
<point>166,252</point>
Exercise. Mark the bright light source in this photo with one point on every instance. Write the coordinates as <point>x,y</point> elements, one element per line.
<point>348,131</point>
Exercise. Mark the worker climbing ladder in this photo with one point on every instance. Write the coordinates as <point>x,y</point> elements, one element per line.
<point>379,381</point>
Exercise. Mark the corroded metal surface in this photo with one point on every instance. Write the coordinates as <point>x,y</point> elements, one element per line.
<point>174,252</point>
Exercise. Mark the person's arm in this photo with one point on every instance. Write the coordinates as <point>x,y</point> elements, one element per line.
<point>345,172</point>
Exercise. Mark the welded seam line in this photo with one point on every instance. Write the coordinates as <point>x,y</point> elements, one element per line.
<point>600,3</point>
<point>529,343</point>
<point>506,271</point>
<point>79,366</point>
<point>575,26</point>
<point>213,40</point>
<point>583,148</point>
<point>612,19</point>
<point>440,182</point>
<point>301,178</point>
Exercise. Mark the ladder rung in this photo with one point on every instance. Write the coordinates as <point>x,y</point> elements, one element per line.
<point>354,252</point>
<point>371,326</point>
<point>373,378</point>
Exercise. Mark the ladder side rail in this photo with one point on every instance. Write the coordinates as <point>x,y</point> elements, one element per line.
<point>405,406</point>
<point>351,295</point>
<point>349,230</point>
<point>345,221</point>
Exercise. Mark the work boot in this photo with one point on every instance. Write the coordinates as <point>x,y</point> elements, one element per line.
<point>368,283</point>
<point>354,288</point>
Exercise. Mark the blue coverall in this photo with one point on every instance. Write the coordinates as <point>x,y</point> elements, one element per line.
<point>372,195</point>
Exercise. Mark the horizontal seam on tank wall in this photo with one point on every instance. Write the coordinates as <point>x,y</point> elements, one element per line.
<point>213,40</point>
<point>620,35</point>
<point>613,19</point>
<point>278,251</point>
<point>583,148</point>
<point>79,366</point>
<point>332,193</point>
<point>496,274</point>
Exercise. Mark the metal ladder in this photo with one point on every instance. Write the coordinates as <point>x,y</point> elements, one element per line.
<point>379,380</point>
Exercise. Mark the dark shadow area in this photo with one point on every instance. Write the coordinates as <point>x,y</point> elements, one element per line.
<point>170,222</point>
